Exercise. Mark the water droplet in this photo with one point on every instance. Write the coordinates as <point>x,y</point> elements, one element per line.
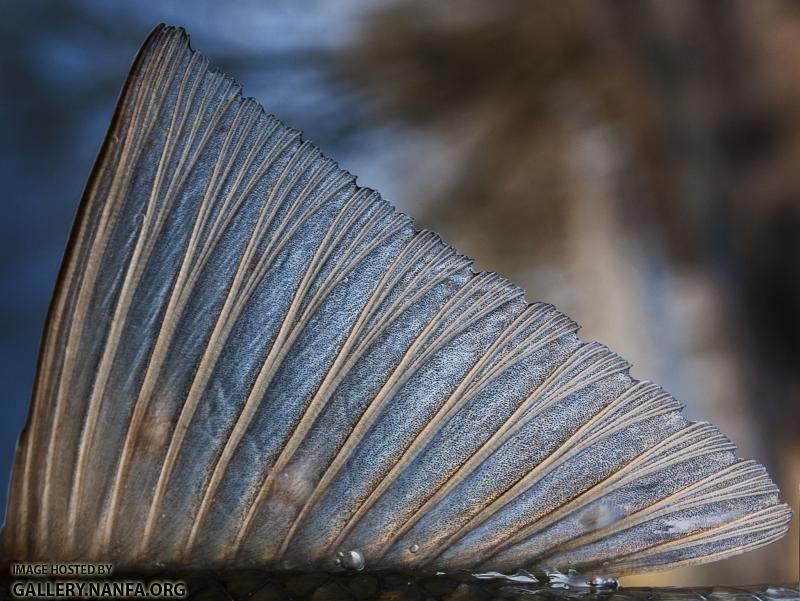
<point>573,580</point>
<point>413,548</point>
<point>604,583</point>
<point>350,560</point>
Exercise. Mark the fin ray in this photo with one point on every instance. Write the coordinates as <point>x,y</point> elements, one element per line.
<point>263,363</point>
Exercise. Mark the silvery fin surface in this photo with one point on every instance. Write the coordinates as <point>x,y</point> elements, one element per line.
<point>250,360</point>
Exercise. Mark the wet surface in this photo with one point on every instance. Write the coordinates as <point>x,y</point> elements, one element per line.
<point>257,585</point>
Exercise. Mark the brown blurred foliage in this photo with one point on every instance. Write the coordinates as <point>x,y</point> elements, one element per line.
<point>636,163</point>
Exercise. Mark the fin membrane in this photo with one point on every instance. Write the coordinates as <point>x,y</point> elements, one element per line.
<point>250,360</point>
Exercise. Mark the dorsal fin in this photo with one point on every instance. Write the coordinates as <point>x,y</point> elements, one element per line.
<point>251,360</point>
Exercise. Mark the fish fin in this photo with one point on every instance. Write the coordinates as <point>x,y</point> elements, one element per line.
<point>251,360</point>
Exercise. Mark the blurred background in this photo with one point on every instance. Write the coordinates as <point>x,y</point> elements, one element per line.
<point>636,163</point>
